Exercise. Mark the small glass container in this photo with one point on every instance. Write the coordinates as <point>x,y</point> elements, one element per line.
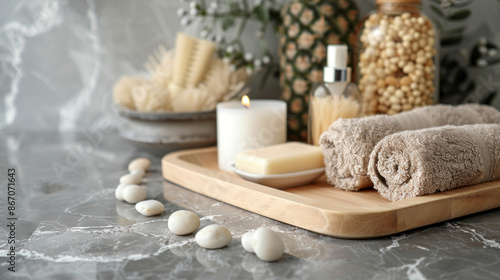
<point>397,60</point>
<point>334,98</point>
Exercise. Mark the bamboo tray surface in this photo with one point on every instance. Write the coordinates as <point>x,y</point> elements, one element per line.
<point>322,208</point>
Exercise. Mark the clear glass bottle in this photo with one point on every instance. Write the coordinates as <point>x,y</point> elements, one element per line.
<point>336,97</point>
<point>397,67</point>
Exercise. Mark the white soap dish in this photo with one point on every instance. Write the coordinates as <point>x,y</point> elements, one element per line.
<point>282,181</point>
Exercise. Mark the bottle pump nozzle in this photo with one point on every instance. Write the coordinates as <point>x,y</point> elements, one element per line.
<point>336,69</point>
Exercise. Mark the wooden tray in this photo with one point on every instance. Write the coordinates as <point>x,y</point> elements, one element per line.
<point>322,208</point>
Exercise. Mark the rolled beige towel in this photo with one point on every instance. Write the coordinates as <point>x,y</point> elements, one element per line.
<point>347,144</point>
<point>414,163</point>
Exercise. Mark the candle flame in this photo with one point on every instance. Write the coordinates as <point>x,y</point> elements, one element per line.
<point>245,101</point>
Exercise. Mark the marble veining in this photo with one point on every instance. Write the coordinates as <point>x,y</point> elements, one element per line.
<point>72,227</point>
<point>59,60</point>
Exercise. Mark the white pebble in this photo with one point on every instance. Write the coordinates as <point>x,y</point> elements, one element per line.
<point>139,172</point>
<point>130,179</point>
<point>119,191</point>
<point>267,245</point>
<point>134,193</point>
<point>183,222</point>
<point>213,237</point>
<point>139,163</point>
<point>246,241</point>
<point>150,207</point>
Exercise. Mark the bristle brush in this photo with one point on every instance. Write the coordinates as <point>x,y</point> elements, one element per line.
<point>191,60</point>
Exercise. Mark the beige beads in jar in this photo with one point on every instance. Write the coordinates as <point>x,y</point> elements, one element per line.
<point>396,63</point>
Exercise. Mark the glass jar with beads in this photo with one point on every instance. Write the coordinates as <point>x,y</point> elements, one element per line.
<point>397,60</point>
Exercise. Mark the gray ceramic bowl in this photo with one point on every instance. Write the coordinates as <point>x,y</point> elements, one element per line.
<point>160,133</point>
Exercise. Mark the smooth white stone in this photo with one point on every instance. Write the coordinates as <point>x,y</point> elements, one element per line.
<point>213,237</point>
<point>246,241</point>
<point>267,245</point>
<point>130,179</point>
<point>139,163</point>
<point>119,191</point>
<point>183,222</point>
<point>139,172</point>
<point>150,207</point>
<point>134,193</point>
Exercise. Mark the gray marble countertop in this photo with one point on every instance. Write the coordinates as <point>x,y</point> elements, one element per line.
<point>70,226</point>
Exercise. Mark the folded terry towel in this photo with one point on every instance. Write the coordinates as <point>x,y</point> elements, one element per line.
<point>347,144</point>
<point>414,163</point>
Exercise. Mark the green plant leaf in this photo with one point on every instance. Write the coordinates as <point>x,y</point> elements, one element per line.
<point>261,13</point>
<point>437,23</point>
<point>460,15</point>
<point>267,74</point>
<point>275,18</point>
<point>245,4</point>
<point>462,4</point>
<point>451,40</point>
<point>438,11</point>
<point>239,30</point>
<point>494,61</point>
<point>460,29</point>
<point>459,76</point>
<point>264,47</point>
<point>227,23</point>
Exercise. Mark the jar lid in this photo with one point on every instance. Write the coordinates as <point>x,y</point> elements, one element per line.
<point>399,1</point>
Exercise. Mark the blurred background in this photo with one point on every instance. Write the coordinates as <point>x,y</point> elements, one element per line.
<point>59,59</point>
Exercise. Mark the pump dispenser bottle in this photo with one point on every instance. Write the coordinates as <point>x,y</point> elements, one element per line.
<point>334,98</point>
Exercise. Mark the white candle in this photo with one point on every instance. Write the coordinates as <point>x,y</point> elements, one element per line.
<point>240,128</point>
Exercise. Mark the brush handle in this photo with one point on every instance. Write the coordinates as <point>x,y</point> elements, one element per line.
<point>192,57</point>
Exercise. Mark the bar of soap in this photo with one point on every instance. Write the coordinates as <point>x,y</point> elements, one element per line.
<point>280,159</point>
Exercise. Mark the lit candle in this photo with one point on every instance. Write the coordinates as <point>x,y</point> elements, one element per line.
<point>248,125</point>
